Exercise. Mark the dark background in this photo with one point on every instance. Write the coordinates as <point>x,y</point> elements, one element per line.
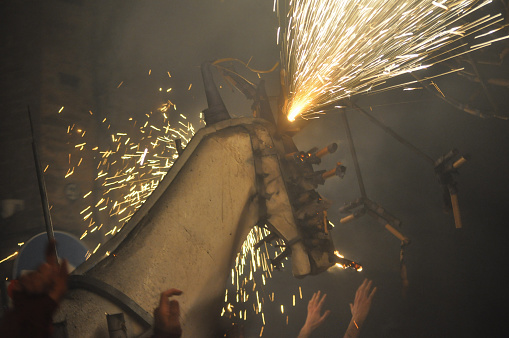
<point>457,277</point>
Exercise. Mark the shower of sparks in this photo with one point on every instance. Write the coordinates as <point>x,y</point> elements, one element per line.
<point>332,50</point>
<point>247,293</point>
<point>248,287</point>
<point>248,277</point>
<point>129,169</point>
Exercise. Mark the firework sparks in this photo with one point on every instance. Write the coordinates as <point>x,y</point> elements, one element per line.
<point>332,50</point>
<point>252,268</point>
<point>129,169</point>
<point>248,290</point>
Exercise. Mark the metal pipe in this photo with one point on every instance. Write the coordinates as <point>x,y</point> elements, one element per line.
<point>327,150</point>
<point>456,209</point>
<point>459,162</point>
<point>396,233</point>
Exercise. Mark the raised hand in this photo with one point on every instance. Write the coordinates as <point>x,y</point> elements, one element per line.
<point>50,278</point>
<point>167,315</point>
<point>362,303</point>
<point>314,318</point>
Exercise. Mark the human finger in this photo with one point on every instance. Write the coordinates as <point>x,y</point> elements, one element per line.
<point>358,293</point>
<point>171,292</point>
<point>367,288</point>
<point>44,275</point>
<point>324,317</point>
<point>174,308</point>
<point>34,283</point>
<point>360,288</point>
<point>62,277</point>
<point>317,298</point>
<point>15,286</point>
<point>156,312</point>
<point>312,300</point>
<point>26,282</point>
<point>64,269</point>
<point>321,301</point>
<point>163,301</point>
<point>45,272</point>
<point>51,253</point>
<point>372,294</point>
<point>365,282</point>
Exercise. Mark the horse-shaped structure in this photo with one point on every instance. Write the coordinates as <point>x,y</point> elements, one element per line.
<point>233,175</point>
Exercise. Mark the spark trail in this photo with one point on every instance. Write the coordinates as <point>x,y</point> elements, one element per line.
<point>130,168</point>
<point>331,50</point>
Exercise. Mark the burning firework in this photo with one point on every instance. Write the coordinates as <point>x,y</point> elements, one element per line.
<point>332,50</point>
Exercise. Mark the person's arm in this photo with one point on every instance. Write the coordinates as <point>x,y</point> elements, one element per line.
<point>314,318</point>
<point>35,298</point>
<point>360,308</point>
<point>167,316</point>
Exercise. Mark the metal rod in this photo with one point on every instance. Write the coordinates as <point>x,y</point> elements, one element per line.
<point>485,89</point>
<point>458,105</point>
<point>354,155</point>
<point>42,185</point>
<point>395,135</point>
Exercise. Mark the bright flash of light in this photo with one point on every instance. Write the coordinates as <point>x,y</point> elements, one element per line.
<point>332,50</point>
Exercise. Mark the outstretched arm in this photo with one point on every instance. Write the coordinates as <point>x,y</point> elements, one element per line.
<point>314,318</point>
<point>360,308</point>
